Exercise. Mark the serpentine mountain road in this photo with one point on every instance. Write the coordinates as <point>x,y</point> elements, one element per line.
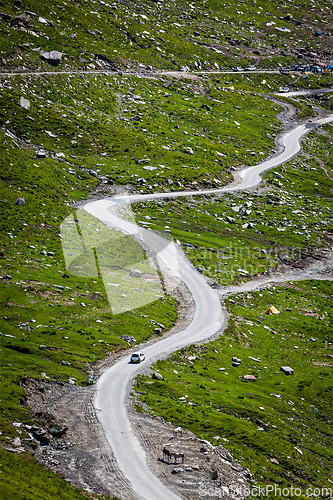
<point>112,386</point>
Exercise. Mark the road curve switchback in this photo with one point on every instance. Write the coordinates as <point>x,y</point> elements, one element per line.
<point>112,386</point>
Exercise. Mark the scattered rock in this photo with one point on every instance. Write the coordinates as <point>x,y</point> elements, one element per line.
<point>17,441</point>
<point>231,220</point>
<point>24,103</point>
<point>276,395</point>
<point>57,432</point>
<point>20,202</point>
<point>287,370</point>
<point>249,377</point>
<point>136,273</point>
<point>157,376</point>
<point>255,359</point>
<point>21,20</point>
<point>65,363</point>
<point>53,57</point>
<point>177,470</point>
<point>127,338</point>
<point>236,361</point>
<point>42,346</point>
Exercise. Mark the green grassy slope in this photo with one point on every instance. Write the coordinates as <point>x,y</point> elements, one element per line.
<point>235,236</point>
<point>154,134</point>
<point>279,426</point>
<point>24,479</point>
<point>200,35</point>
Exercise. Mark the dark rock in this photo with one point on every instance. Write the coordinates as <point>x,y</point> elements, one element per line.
<point>20,202</point>
<point>287,370</point>
<point>230,220</point>
<point>57,432</point>
<point>215,475</point>
<point>22,20</point>
<point>4,16</point>
<point>157,376</point>
<point>65,363</point>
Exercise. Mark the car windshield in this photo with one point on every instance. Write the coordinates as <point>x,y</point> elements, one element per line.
<point>135,355</point>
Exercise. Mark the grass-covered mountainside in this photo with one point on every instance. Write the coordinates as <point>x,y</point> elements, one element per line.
<point>69,134</point>
<point>233,237</point>
<point>277,425</point>
<point>165,34</point>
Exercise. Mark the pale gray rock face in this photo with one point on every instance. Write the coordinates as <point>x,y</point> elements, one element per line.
<point>24,103</point>
<point>53,57</point>
<point>287,370</point>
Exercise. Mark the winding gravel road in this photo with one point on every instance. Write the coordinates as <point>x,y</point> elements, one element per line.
<point>112,386</point>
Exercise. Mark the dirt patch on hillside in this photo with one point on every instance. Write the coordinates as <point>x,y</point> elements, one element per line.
<point>83,456</point>
<point>204,467</point>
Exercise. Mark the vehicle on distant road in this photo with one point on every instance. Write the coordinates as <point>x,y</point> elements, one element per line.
<point>294,67</point>
<point>316,69</point>
<point>284,70</point>
<point>237,68</point>
<point>250,68</point>
<point>284,89</point>
<point>304,68</point>
<point>137,357</point>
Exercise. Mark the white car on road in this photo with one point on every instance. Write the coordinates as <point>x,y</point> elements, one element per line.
<point>137,357</point>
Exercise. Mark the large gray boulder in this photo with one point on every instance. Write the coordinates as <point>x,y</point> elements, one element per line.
<point>53,57</point>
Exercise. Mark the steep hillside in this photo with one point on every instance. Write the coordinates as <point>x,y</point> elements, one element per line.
<point>165,34</point>
<point>100,115</point>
